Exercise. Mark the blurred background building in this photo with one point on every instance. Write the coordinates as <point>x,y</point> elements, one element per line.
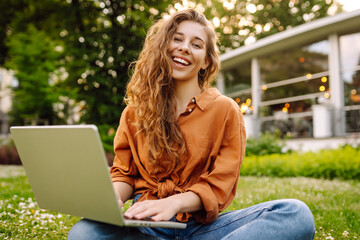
<point>303,82</point>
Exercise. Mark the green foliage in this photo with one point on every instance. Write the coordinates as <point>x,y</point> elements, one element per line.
<point>107,134</point>
<point>33,58</point>
<point>237,22</point>
<point>101,38</point>
<point>343,163</point>
<point>267,144</point>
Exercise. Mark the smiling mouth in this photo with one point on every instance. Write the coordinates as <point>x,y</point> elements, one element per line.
<point>181,61</point>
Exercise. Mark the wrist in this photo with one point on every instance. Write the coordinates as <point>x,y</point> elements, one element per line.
<point>176,202</point>
<point>186,202</point>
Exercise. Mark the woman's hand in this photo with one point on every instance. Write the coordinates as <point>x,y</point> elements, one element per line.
<point>164,209</point>
<point>157,210</point>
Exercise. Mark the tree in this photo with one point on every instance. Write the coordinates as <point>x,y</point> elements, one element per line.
<point>32,58</point>
<point>100,38</point>
<point>244,21</point>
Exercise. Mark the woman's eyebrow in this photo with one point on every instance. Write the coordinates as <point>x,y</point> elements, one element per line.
<point>198,38</point>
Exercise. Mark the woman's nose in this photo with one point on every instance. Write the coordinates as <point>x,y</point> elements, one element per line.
<point>184,48</point>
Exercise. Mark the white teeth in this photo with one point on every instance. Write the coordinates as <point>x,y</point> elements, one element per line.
<point>181,60</point>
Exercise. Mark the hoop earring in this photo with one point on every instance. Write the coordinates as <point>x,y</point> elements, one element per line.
<point>202,75</point>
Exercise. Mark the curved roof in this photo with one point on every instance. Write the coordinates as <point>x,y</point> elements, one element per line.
<point>307,33</point>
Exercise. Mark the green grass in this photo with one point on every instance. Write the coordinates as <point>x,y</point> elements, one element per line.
<point>334,203</point>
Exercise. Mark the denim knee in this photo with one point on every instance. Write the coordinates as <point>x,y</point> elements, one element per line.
<point>303,217</point>
<point>277,220</point>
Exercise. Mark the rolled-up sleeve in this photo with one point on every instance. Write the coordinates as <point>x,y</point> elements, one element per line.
<point>217,186</point>
<point>124,168</point>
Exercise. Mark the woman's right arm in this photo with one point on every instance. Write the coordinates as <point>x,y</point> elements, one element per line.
<point>123,192</point>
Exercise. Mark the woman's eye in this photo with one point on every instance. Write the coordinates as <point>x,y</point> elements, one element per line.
<point>177,39</point>
<point>196,45</point>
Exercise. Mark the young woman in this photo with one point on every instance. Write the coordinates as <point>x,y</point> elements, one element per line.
<point>180,144</point>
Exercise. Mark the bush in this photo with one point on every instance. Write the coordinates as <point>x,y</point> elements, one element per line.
<point>343,163</point>
<point>265,145</point>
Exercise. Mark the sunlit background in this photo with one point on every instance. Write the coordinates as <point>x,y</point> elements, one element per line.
<point>89,45</point>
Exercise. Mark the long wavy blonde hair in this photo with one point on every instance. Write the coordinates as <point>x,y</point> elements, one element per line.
<point>151,87</point>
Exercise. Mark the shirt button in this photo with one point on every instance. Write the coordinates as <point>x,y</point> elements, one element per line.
<point>193,100</point>
<point>190,110</point>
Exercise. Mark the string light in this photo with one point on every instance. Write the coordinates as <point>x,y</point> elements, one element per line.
<point>322,88</point>
<point>244,107</point>
<point>324,79</point>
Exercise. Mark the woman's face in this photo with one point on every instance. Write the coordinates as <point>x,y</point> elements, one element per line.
<point>188,51</point>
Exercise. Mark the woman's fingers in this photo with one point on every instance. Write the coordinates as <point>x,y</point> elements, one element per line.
<point>158,210</point>
<point>141,210</point>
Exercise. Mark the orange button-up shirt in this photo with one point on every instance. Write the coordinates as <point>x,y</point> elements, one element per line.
<point>214,132</point>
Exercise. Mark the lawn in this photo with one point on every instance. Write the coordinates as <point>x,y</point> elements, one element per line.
<point>334,203</point>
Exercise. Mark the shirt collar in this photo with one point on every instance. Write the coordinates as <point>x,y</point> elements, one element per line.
<point>206,97</point>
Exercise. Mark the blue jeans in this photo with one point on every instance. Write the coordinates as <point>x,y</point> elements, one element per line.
<point>288,219</point>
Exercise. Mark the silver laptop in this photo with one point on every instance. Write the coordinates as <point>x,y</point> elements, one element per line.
<point>68,172</point>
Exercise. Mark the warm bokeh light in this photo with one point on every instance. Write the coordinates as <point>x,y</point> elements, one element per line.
<point>237,100</point>
<point>353,92</point>
<point>324,79</point>
<point>264,87</point>
<point>302,59</point>
<point>248,101</point>
<point>322,88</point>
<point>309,76</point>
<point>178,6</point>
<point>250,40</point>
<point>267,27</point>
<point>229,5</point>
<point>285,109</point>
<point>287,105</point>
<point>244,107</point>
<point>243,32</point>
<point>327,95</point>
<point>251,8</point>
<point>216,21</point>
<point>227,30</point>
